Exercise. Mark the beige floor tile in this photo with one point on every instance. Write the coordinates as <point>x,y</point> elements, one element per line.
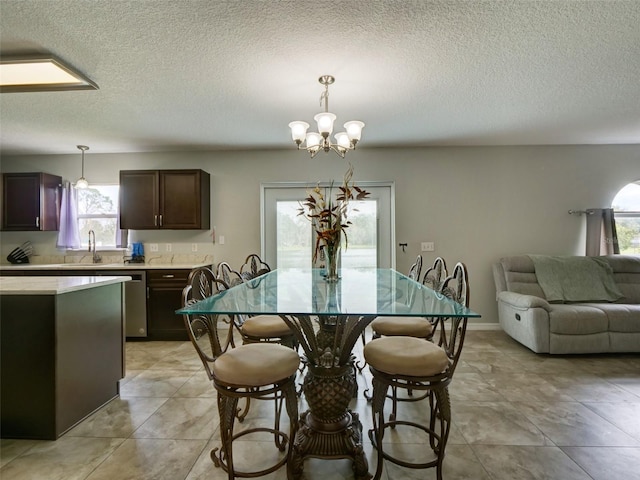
<point>155,383</point>
<point>545,364</point>
<point>625,415</point>
<point>490,362</point>
<point>460,463</point>
<point>198,385</point>
<point>182,418</point>
<point>574,425</point>
<point>68,458</point>
<point>528,463</point>
<point>119,418</point>
<point>590,388</point>
<point>607,463</point>
<point>11,448</point>
<point>472,387</point>
<point>525,387</point>
<point>150,459</point>
<point>628,381</point>
<point>496,423</point>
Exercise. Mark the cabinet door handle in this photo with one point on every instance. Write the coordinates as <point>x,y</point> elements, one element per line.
<point>160,220</point>
<point>168,276</point>
<point>155,220</point>
<point>38,222</point>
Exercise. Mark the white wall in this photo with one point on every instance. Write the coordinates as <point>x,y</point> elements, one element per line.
<point>476,203</point>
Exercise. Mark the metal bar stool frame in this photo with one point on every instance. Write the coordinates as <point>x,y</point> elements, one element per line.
<point>451,339</point>
<point>281,391</point>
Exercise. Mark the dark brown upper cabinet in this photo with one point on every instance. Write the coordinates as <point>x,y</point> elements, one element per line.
<point>167,199</point>
<point>31,201</point>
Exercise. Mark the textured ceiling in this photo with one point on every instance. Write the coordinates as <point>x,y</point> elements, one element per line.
<point>211,74</point>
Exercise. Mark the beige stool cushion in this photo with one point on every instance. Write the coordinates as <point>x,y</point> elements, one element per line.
<point>266,326</point>
<point>409,326</point>
<point>410,356</point>
<point>256,364</point>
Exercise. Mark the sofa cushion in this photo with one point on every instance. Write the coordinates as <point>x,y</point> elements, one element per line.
<point>622,318</point>
<point>520,275</point>
<point>576,319</point>
<point>626,273</point>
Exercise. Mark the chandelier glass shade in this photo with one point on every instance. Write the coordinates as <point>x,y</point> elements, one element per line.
<point>82,182</point>
<point>321,140</point>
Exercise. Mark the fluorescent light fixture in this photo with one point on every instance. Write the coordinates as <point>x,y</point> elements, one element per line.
<point>40,73</point>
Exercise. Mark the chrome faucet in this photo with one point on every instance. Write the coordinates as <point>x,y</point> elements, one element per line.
<point>92,247</point>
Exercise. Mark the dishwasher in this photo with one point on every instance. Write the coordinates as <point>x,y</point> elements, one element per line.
<point>135,301</point>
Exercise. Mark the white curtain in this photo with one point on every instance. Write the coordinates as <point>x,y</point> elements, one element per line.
<point>68,234</point>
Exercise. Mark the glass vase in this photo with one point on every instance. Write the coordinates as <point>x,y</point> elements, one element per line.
<point>332,262</point>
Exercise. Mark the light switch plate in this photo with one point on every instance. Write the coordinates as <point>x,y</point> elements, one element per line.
<point>427,246</point>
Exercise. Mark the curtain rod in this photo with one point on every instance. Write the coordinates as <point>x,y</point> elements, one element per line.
<point>580,212</point>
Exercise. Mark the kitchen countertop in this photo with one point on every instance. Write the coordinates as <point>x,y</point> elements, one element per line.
<point>103,266</point>
<point>54,285</point>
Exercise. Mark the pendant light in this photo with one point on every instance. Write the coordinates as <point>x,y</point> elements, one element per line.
<point>82,182</point>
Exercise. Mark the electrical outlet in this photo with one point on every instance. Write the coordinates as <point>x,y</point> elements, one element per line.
<point>167,247</point>
<point>194,247</point>
<point>153,247</point>
<point>427,246</point>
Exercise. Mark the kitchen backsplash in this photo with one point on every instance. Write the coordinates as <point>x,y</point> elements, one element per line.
<point>177,259</point>
<point>180,253</point>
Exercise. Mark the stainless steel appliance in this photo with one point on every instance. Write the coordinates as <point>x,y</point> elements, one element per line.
<point>135,300</point>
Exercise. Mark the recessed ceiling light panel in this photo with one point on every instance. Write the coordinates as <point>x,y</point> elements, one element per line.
<point>43,73</point>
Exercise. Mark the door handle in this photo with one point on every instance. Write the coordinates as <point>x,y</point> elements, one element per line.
<point>38,222</point>
<point>155,220</point>
<point>160,220</point>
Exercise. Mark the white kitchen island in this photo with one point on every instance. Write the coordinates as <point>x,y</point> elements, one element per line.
<point>62,351</point>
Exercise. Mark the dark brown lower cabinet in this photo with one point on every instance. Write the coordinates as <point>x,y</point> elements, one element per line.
<point>164,297</point>
<point>61,358</point>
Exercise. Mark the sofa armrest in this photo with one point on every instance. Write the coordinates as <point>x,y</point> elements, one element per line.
<point>521,301</point>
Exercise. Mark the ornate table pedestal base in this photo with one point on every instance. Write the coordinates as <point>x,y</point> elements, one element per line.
<point>329,429</point>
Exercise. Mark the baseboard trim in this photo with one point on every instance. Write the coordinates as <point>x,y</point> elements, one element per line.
<point>483,326</point>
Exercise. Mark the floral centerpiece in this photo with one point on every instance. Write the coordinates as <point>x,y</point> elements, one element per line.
<point>329,219</point>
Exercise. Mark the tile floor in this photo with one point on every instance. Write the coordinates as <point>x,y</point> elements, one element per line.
<point>516,415</point>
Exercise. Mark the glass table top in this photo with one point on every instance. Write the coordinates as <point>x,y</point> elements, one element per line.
<point>360,291</point>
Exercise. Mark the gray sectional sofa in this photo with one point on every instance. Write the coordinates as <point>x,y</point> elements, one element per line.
<point>584,304</point>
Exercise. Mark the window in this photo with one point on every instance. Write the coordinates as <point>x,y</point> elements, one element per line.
<point>626,208</point>
<point>98,211</point>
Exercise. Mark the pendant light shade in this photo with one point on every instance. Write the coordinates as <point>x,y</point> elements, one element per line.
<point>82,182</point>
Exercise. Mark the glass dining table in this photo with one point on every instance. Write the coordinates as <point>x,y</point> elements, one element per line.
<point>328,319</point>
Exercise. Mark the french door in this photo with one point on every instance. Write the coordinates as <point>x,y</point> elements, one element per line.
<point>288,239</point>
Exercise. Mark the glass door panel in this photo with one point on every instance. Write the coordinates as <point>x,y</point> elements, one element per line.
<point>293,236</point>
<point>288,240</point>
<point>362,235</point>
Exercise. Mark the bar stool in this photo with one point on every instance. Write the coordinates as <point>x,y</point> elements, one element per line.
<point>263,371</point>
<point>253,267</point>
<point>413,326</point>
<point>415,364</point>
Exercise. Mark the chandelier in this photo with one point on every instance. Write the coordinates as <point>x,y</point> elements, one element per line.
<point>344,141</point>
